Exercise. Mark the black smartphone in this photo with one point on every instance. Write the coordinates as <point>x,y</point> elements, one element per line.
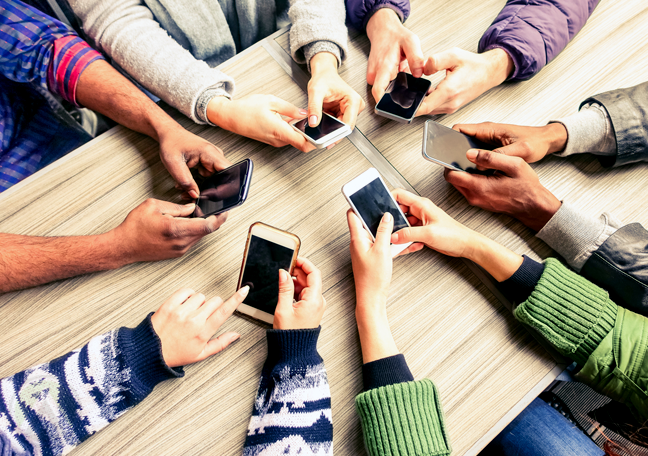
<point>403,97</point>
<point>224,190</point>
<point>447,147</point>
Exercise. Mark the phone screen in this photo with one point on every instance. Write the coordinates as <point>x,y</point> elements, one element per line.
<point>223,190</point>
<point>450,147</point>
<point>327,126</point>
<point>372,201</point>
<point>404,95</point>
<point>261,273</point>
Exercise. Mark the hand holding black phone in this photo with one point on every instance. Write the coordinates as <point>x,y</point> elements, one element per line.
<point>224,190</point>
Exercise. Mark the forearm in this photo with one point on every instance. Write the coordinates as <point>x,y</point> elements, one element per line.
<point>102,89</point>
<point>376,339</point>
<point>27,261</point>
<point>496,259</point>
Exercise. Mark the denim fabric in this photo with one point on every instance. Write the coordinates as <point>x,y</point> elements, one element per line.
<point>540,430</point>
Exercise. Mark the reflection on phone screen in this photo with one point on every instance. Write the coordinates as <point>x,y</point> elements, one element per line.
<point>450,147</point>
<point>372,201</point>
<point>222,191</point>
<point>261,273</point>
<point>327,126</point>
<point>404,95</point>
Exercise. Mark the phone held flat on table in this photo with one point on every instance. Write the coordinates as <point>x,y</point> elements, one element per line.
<point>267,250</point>
<point>403,97</point>
<point>370,198</point>
<point>224,190</point>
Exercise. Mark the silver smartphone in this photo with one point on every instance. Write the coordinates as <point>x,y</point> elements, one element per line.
<point>403,97</point>
<point>447,147</point>
<point>330,130</point>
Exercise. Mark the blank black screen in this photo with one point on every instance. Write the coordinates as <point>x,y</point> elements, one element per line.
<point>261,273</point>
<point>372,201</point>
<point>327,126</point>
<point>404,95</point>
<point>222,191</point>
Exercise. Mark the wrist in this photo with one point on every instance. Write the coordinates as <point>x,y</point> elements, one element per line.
<point>555,134</point>
<point>382,20</point>
<point>496,259</point>
<point>501,63</point>
<point>216,111</point>
<point>323,62</point>
<point>118,250</point>
<point>544,208</point>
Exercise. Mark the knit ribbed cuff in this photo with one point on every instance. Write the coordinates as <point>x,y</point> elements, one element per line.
<point>404,418</point>
<point>572,313</point>
<point>386,371</point>
<point>293,346</point>
<point>142,350</point>
<point>521,284</point>
<point>312,49</point>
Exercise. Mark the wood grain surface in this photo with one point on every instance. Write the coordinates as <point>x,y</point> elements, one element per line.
<point>447,323</point>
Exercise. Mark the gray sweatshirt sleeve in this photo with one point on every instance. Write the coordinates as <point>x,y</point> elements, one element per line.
<point>317,26</point>
<point>589,131</point>
<point>127,32</point>
<point>575,235</point>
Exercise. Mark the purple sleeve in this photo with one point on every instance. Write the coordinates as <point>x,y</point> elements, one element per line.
<point>533,32</point>
<point>360,11</point>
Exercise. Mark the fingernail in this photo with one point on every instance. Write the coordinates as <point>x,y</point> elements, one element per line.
<point>190,205</point>
<point>193,193</point>
<point>394,238</point>
<point>312,121</point>
<point>284,275</point>
<point>472,154</point>
<point>244,291</point>
<point>387,217</point>
<point>303,112</point>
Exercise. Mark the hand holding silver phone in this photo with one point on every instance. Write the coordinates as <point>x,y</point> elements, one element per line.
<point>330,130</point>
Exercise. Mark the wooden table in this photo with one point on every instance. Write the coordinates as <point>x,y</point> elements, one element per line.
<point>448,322</point>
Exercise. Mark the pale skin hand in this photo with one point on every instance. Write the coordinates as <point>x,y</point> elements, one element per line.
<point>327,91</point>
<point>529,143</point>
<point>372,272</point>
<point>393,49</point>
<point>468,75</point>
<point>186,323</point>
<point>102,89</point>
<point>259,117</point>
<point>155,230</point>
<point>431,226</point>
<point>301,304</point>
<point>514,189</point>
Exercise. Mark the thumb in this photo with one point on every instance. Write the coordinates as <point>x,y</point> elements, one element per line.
<point>509,165</point>
<point>315,102</point>
<point>180,173</point>
<point>219,344</point>
<point>409,234</point>
<point>286,290</point>
<point>384,231</point>
<point>175,210</point>
<point>288,109</point>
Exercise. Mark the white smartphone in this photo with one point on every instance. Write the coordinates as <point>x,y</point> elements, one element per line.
<point>403,97</point>
<point>267,250</point>
<point>329,130</point>
<point>370,198</point>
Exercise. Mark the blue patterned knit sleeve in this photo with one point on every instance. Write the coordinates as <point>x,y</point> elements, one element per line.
<point>292,410</point>
<point>51,408</point>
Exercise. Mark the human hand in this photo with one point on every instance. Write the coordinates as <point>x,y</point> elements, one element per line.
<point>468,75</point>
<point>259,117</point>
<point>186,322</point>
<point>307,290</point>
<point>371,261</point>
<point>181,150</point>
<point>514,189</point>
<point>157,230</point>
<point>431,226</point>
<point>394,49</point>
<point>328,91</point>
<point>529,143</point>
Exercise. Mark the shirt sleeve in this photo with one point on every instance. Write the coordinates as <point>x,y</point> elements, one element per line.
<point>519,286</point>
<point>51,408</point>
<point>588,131</point>
<point>39,49</point>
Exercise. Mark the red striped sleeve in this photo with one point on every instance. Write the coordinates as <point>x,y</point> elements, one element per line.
<point>71,57</point>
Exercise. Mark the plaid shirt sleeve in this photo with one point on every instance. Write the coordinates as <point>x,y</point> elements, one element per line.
<point>38,49</point>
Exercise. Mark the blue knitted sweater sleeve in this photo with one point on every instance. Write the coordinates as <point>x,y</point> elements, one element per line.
<point>51,408</point>
<point>292,410</point>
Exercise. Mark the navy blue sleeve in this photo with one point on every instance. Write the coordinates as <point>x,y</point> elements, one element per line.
<point>521,284</point>
<point>386,371</point>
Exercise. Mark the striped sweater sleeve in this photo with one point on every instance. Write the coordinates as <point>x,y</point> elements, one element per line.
<point>292,409</point>
<point>38,49</point>
<point>51,408</point>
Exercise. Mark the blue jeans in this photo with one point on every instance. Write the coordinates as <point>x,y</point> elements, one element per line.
<point>540,430</point>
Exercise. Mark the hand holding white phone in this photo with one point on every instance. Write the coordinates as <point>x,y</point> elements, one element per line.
<point>329,131</point>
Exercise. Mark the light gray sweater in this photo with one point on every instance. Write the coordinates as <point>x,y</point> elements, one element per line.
<point>172,46</point>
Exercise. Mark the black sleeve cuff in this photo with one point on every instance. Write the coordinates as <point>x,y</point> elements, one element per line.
<point>293,346</point>
<point>521,284</point>
<point>386,371</point>
<point>142,351</point>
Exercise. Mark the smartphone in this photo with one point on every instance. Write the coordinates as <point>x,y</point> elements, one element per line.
<point>329,131</point>
<point>403,97</point>
<point>267,250</point>
<point>447,147</point>
<point>370,198</point>
<point>224,190</point>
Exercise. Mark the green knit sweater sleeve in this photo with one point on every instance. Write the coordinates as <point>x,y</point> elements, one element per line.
<point>572,313</point>
<point>403,419</point>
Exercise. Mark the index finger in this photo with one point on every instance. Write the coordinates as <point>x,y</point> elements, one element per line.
<point>223,311</point>
<point>382,80</point>
<point>295,139</point>
<point>350,114</point>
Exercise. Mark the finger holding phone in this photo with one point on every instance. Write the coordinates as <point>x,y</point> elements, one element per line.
<point>301,304</point>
